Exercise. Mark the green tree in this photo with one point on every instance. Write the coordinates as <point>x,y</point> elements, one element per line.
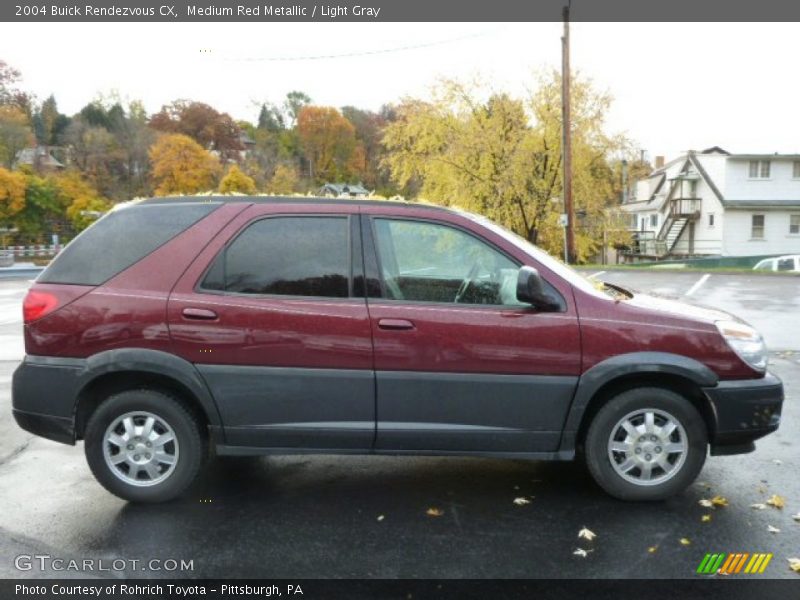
<point>15,134</point>
<point>237,181</point>
<point>294,103</point>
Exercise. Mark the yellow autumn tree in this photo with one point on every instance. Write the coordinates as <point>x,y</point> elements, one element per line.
<point>501,157</point>
<point>328,140</point>
<point>12,193</point>
<point>284,181</point>
<point>79,198</point>
<point>182,166</point>
<point>236,180</point>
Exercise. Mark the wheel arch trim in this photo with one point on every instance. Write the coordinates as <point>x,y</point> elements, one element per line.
<point>147,361</point>
<point>623,365</point>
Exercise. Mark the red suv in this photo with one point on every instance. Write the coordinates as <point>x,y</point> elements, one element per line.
<point>251,326</point>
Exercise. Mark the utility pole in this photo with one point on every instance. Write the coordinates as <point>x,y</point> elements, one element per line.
<point>566,145</point>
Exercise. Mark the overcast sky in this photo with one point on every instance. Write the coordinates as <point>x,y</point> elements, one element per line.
<point>676,85</point>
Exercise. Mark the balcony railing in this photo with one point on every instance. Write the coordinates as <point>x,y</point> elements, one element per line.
<point>684,208</point>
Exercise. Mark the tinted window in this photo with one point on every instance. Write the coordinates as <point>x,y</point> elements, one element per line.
<point>291,256</point>
<point>786,264</point>
<point>120,239</point>
<point>430,262</point>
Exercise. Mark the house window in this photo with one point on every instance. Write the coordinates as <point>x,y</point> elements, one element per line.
<point>653,221</point>
<point>759,169</point>
<point>710,219</point>
<point>796,169</point>
<point>794,224</point>
<point>757,229</point>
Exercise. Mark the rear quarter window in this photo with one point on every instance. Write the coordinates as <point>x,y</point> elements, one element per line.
<point>120,239</point>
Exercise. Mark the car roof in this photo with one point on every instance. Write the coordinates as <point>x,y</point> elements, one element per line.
<point>236,199</point>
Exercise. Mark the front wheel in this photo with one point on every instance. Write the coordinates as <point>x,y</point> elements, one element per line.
<point>646,444</point>
<point>144,445</point>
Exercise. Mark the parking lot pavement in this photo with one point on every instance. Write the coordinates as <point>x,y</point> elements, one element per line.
<point>768,302</point>
<point>331,516</point>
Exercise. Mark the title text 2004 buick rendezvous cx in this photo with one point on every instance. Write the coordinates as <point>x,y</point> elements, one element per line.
<point>277,325</point>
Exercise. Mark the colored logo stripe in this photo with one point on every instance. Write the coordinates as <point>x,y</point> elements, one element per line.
<point>731,564</point>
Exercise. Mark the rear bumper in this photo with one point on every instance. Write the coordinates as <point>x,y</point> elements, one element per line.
<point>744,411</point>
<point>43,396</point>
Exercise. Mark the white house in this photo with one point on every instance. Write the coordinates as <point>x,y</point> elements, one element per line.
<point>714,203</point>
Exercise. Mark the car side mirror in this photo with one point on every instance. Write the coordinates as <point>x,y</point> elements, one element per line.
<point>530,289</point>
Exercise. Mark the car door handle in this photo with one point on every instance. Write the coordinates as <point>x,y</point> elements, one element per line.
<point>202,314</point>
<point>395,324</point>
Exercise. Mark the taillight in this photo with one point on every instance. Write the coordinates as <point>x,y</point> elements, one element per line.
<point>37,305</point>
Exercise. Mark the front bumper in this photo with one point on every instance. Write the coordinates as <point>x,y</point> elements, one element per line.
<point>744,411</point>
<point>44,393</point>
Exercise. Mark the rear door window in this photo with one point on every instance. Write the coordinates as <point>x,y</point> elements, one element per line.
<point>286,256</point>
<point>120,239</point>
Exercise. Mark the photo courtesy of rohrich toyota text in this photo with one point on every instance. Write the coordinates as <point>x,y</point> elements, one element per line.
<point>378,299</point>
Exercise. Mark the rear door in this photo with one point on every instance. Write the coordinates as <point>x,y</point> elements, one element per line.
<point>269,314</point>
<point>461,365</point>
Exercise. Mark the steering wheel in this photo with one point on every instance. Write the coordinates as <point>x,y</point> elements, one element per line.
<point>462,289</point>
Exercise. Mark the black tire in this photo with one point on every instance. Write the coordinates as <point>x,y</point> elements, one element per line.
<point>601,429</point>
<point>188,432</point>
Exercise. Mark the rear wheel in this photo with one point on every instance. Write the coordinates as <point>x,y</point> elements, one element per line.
<point>646,444</point>
<point>144,445</point>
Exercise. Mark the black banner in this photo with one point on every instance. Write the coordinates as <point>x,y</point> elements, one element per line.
<point>397,11</point>
<point>352,589</point>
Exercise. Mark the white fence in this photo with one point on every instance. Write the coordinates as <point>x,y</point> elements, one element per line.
<point>35,250</point>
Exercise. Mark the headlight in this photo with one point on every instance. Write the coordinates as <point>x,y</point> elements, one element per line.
<point>746,342</point>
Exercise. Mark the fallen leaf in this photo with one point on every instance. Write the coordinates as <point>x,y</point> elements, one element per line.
<point>719,501</point>
<point>794,564</point>
<point>761,489</point>
<point>772,529</point>
<point>434,512</point>
<point>706,503</point>
<point>381,517</point>
<point>587,534</point>
<point>652,549</point>
<point>796,517</point>
<point>686,542</point>
<point>705,518</point>
<point>777,501</point>
<point>581,552</point>
<point>521,501</point>
<point>758,506</point>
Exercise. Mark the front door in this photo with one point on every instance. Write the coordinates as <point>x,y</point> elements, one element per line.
<point>269,316</point>
<point>461,365</point>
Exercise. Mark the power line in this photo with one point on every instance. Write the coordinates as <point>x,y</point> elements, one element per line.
<point>359,53</point>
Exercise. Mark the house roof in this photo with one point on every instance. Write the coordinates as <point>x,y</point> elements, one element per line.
<point>774,156</point>
<point>762,204</point>
<point>40,155</point>
<point>715,150</point>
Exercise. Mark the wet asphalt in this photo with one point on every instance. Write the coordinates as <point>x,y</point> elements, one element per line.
<point>350,517</point>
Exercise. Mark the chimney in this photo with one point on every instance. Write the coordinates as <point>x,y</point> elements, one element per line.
<point>659,162</point>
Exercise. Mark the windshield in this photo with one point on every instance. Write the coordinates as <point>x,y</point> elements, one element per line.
<point>559,268</point>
